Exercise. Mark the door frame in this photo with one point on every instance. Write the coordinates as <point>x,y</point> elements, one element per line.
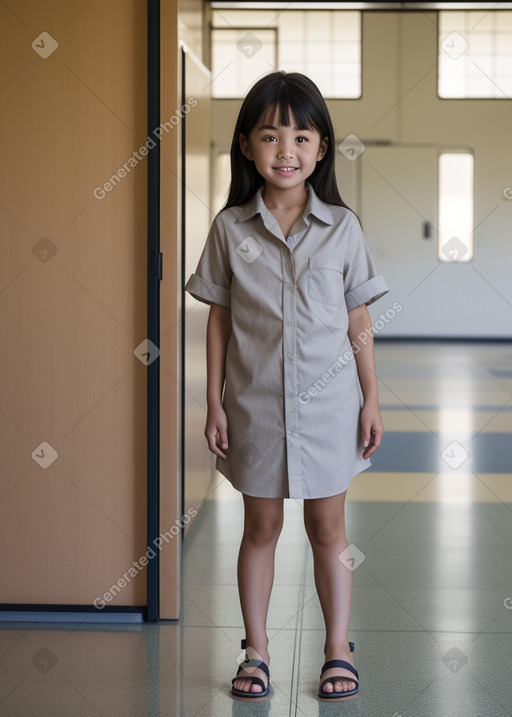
<point>153,327</point>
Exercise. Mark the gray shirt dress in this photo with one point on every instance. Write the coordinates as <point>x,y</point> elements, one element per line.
<point>292,394</point>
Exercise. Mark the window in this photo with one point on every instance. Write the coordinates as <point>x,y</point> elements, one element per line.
<point>475,54</point>
<point>324,45</point>
<point>455,207</point>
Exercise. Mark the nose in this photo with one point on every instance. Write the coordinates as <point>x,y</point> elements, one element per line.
<point>285,151</point>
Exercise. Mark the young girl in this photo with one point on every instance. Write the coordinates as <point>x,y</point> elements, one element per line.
<point>288,276</point>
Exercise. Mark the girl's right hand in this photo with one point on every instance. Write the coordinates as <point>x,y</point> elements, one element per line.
<point>216,431</point>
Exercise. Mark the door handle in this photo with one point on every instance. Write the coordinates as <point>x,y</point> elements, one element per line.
<point>427,230</point>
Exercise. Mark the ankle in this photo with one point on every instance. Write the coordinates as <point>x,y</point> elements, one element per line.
<point>336,648</point>
<point>257,648</point>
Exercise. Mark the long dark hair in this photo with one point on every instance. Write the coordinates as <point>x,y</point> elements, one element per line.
<point>292,93</point>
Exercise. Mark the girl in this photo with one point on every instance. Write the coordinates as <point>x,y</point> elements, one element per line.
<point>288,275</point>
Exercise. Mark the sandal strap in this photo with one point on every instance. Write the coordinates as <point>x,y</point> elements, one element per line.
<point>254,680</point>
<point>253,663</point>
<point>339,663</point>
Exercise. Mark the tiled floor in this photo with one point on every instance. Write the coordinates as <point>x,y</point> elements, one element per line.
<point>432,609</point>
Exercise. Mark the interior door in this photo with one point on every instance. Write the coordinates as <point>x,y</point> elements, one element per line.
<point>399,212</point>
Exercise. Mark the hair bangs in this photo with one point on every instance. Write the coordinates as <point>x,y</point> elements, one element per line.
<point>288,106</point>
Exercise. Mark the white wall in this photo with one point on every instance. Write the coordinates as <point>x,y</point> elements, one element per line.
<point>400,105</point>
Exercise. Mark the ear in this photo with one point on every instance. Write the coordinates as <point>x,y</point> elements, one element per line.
<point>322,149</point>
<point>245,146</point>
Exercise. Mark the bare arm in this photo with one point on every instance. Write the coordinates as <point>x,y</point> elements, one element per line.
<point>361,338</point>
<point>217,336</point>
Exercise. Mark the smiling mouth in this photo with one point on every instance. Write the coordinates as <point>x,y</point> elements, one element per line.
<point>286,170</point>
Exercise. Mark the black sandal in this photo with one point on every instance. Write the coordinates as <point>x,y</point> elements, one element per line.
<point>251,696</point>
<point>338,696</point>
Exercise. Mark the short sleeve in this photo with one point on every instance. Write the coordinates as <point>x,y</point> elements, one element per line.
<point>211,282</point>
<point>362,283</point>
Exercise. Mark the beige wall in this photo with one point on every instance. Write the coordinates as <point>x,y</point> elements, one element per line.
<point>72,302</point>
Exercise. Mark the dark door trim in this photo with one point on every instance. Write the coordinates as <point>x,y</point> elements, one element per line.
<point>154,277</point>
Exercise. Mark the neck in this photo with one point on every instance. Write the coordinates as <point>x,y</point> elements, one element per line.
<point>275,198</point>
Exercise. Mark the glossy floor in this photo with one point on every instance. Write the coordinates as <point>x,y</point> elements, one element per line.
<point>431,523</point>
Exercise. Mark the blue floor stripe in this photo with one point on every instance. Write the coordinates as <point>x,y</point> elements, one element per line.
<point>415,452</point>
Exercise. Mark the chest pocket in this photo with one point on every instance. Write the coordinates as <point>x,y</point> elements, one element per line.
<point>325,280</point>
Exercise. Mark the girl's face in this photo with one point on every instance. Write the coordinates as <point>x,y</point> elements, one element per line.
<point>284,156</point>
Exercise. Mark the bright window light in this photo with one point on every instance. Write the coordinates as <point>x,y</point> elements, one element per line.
<point>323,44</point>
<point>455,207</point>
<point>475,54</point>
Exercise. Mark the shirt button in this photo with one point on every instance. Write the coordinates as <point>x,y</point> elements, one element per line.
<point>290,323</point>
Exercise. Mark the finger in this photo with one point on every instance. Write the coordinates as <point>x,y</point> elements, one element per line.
<point>375,441</point>
<point>223,437</point>
<point>219,444</point>
<point>366,434</point>
<point>212,439</point>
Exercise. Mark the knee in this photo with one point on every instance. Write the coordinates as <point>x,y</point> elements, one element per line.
<point>326,534</point>
<point>264,530</point>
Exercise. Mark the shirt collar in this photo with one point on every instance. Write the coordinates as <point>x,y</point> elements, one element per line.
<point>315,206</point>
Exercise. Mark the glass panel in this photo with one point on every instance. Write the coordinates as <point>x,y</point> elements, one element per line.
<point>222,173</point>
<point>239,58</point>
<point>455,207</point>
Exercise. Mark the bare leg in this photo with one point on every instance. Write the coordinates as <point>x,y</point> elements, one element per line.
<point>324,519</point>
<point>262,527</point>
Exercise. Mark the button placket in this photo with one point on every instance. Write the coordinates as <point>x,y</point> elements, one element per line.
<point>291,405</point>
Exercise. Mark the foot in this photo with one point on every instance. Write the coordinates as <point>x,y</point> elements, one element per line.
<point>249,685</point>
<point>339,685</point>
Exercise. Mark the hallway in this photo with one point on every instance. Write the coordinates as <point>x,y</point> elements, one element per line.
<point>432,608</point>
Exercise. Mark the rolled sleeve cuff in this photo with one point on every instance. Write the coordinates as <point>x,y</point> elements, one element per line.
<point>208,293</point>
<point>366,293</point>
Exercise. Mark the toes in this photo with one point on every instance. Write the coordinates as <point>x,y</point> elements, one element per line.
<point>247,686</point>
<point>345,686</point>
<point>339,686</point>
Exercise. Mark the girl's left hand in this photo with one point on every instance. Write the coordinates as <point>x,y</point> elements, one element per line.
<point>372,429</point>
